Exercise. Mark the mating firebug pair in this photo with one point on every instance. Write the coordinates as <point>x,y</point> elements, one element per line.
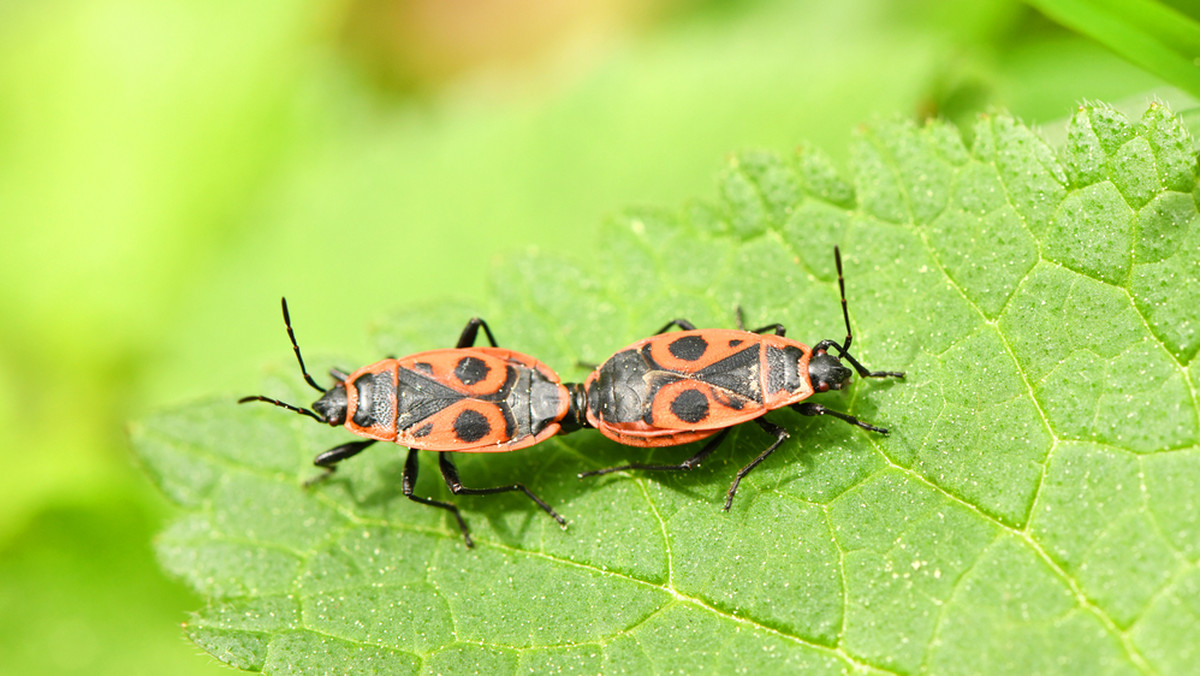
<point>665,390</point>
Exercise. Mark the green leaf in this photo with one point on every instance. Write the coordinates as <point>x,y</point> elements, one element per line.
<point>1033,509</point>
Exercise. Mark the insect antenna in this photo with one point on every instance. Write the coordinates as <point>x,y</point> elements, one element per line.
<point>282,404</point>
<point>844,348</point>
<point>287,321</point>
<point>837,256</point>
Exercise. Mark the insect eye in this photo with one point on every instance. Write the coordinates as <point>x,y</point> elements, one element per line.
<point>823,387</point>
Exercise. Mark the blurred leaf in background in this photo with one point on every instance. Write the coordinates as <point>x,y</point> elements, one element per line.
<point>169,169</point>
<point>1163,39</point>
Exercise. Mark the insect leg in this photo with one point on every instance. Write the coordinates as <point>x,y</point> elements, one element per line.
<point>688,464</point>
<point>778,328</point>
<point>680,323</point>
<point>780,435</point>
<point>808,408</point>
<point>450,474</point>
<point>467,339</point>
<point>329,459</point>
<point>409,481</point>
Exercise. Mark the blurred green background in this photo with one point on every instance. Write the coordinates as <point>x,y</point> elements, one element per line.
<point>169,168</point>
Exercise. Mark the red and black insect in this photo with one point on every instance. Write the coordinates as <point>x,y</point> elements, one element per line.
<point>464,400</point>
<point>676,388</point>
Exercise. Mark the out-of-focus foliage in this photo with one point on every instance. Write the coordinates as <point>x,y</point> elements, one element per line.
<point>1162,39</point>
<point>169,169</point>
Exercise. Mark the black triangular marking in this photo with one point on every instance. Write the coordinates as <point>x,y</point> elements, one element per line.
<point>737,373</point>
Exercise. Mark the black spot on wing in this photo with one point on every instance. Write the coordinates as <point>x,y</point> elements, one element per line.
<point>424,367</point>
<point>423,430</point>
<point>471,370</point>
<point>688,348</point>
<point>690,406</point>
<point>735,342</point>
<point>471,426</point>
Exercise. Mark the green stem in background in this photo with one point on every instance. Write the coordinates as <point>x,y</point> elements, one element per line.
<point>1149,34</point>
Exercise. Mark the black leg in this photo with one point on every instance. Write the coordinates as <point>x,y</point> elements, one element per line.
<point>467,339</point>
<point>688,464</point>
<point>410,481</point>
<point>741,324</point>
<point>776,327</point>
<point>780,435</point>
<point>682,324</point>
<point>808,408</point>
<point>450,474</point>
<point>329,459</point>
